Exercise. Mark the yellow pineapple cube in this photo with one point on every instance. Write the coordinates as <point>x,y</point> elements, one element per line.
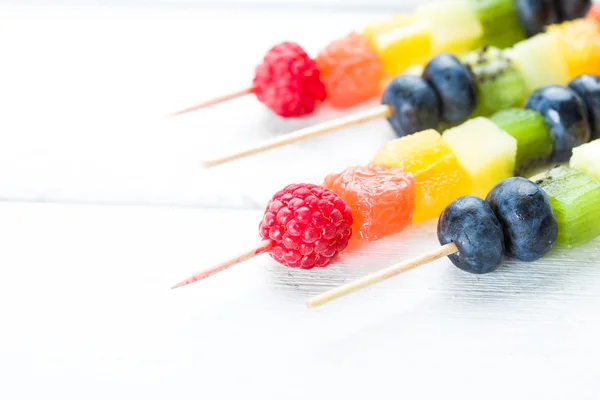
<point>401,42</point>
<point>439,177</point>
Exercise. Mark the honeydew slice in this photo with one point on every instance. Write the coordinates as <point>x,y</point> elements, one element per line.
<point>456,28</point>
<point>586,158</point>
<point>486,153</point>
<point>541,61</point>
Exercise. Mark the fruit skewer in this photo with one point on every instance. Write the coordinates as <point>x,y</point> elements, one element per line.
<point>483,82</point>
<point>350,70</point>
<point>471,158</point>
<point>570,192</point>
<point>306,226</point>
<point>520,218</point>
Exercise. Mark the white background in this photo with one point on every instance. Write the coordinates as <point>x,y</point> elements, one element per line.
<point>85,309</point>
<point>86,91</point>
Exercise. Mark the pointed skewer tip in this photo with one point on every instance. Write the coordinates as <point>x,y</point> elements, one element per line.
<point>215,101</point>
<point>209,164</point>
<point>180,284</point>
<point>185,282</point>
<point>260,248</point>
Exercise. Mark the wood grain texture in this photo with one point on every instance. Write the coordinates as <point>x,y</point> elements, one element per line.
<point>86,310</point>
<point>85,302</point>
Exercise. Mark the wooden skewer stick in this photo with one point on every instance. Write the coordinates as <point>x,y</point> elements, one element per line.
<point>215,101</point>
<point>381,111</point>
<point>382,275</point>
<point>262,247</point>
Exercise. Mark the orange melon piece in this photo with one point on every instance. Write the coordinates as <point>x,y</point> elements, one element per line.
<point>580,45</point>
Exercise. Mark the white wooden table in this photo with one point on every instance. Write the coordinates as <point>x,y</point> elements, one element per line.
<point>87,312</point>
<point>85,306</point>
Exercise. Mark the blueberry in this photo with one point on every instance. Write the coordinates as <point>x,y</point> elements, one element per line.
<point>534,15</point>
<point>588,88</point>
<point>454,85</point>
<point>572,9</point>
<point>415,105</point>
<point>470,223</point>
<point>566,117</point>
<point>527,219</point>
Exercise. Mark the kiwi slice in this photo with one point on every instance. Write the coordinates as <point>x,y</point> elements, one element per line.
<point>500,22</point>
<point>574,198</point>
<point>534,142</point>
<point>500,84</point>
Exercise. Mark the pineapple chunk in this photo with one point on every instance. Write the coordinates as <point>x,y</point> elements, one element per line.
<point>585,158</point>
<point>396,21</point>
<point>439,177</point>
<point>485,151</point>
<point>401,43</point>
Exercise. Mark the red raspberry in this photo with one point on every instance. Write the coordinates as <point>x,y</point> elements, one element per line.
<point>308,224</point>
<point>288,81</point>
